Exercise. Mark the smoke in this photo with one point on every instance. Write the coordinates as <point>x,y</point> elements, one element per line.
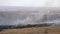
<point>29,17</point>
<point>14,18</point>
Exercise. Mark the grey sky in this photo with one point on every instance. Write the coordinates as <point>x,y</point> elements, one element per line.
<point>32,3</point>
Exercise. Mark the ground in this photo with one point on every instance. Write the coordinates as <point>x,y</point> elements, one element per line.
<point>33,30</point>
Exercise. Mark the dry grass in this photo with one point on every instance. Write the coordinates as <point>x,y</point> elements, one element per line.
<point>33,30</point>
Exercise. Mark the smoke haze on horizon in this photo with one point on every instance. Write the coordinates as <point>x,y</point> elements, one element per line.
<point>14,12</point>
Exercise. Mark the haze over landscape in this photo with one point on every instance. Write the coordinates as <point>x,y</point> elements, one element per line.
<point>29,15</point>
<point>29,11</point>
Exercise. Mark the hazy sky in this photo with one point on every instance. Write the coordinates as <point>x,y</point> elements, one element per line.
<point>31,3</point>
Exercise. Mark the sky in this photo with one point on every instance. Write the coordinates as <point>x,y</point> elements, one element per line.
<point>31,3</point>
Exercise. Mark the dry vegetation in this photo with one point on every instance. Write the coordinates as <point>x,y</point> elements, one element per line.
<point>33,30</point>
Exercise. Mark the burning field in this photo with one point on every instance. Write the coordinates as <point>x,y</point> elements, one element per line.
<point>30,17</point>
<point>33,30</point>
<point>47,16</point>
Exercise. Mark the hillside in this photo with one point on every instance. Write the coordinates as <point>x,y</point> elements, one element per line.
<point>33,30</point>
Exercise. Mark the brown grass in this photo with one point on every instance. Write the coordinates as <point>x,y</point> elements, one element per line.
<point>33,30</point>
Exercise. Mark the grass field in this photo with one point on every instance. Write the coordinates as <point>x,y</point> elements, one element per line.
<point>33,30</point>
